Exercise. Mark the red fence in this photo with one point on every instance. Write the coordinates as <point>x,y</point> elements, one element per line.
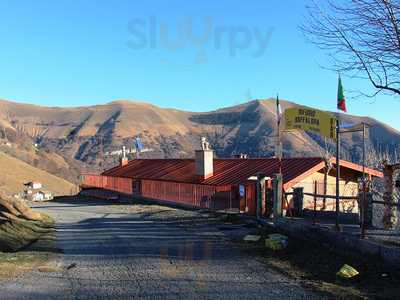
<point>182,193</point>
<point>118,184</point>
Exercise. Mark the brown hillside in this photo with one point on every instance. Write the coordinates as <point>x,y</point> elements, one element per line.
<point>81,136</point>
<point>15,172</point>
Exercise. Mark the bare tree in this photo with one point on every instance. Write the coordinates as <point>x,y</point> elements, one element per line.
<point>327,153</point>
<point>361,36</point>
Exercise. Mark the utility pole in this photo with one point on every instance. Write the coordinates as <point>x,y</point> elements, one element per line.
<point>363,205</point>
<point>363,198</point>
<point>278,150</point>
<point>278,182</point>
<point>337,171</point>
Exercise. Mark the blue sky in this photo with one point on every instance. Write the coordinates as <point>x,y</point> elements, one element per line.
<point>83,52</point>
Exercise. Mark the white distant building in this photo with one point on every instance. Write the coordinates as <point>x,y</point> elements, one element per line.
<point>34,192</point>
<point>33,185</point>
<point>41,196</point>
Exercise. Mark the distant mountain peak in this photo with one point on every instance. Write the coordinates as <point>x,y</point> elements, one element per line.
<point>127,102</point>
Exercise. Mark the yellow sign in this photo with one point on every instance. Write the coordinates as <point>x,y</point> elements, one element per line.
<point>319,122</point>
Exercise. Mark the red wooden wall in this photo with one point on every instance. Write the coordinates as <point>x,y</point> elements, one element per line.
<point>182,193</point>
<point>251,198</point>
<point>195,195</point>
<point>118,184</point>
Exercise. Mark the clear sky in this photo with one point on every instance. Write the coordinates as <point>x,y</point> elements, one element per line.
<point>191,55</point>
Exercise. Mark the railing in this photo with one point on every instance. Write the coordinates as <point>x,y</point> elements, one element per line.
<point>316,198</point>
<point>195,195</point>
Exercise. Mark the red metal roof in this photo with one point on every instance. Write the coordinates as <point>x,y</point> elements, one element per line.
<point>226,171</point>
<point>359,168</point>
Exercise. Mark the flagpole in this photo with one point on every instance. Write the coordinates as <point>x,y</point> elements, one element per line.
<point>278,125</point>
<point>341,105</point>
<point>137,148</point>
<point>278,153</point>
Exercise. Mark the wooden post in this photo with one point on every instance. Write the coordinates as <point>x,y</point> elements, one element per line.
<point>298,199</point>
<point>367,207</point>
<point>315,202</point>
<point>277,195</point>
<point>269,200</point>
<point>369,211</point>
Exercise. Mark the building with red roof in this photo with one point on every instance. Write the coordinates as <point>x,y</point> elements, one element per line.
<point>226,183</point>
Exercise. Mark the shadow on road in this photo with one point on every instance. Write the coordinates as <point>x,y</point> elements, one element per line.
<point>114,199</point>
<point>140,229</point>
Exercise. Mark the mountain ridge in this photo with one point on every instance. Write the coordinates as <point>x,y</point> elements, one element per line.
<point>82,136</point>
<point>127,102</point>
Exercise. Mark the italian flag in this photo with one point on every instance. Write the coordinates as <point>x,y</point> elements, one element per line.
<point>341,101</point>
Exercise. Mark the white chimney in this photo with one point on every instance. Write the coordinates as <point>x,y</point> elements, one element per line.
<point>204,160</point>
<point>124,159</point>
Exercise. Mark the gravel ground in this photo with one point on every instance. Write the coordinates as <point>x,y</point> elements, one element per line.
<point>148,252</point>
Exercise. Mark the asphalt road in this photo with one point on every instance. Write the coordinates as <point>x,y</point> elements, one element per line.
<point>148,252</point>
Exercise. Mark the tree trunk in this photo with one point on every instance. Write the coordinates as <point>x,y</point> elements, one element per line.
<point>325,189</point>
<point>328,168</point>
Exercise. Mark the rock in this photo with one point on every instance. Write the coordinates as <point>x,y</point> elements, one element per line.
<point>252,238</point>
<point>347,272</point>
<point>71,266</point>
<point>276,242</point>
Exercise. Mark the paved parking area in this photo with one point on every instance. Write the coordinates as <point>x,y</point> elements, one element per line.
<point>148,252</point>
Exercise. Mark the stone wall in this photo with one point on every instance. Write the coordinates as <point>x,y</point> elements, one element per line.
<point>347,188</point>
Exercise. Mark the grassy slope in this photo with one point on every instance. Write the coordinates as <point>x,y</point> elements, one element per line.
<point>15,172</point>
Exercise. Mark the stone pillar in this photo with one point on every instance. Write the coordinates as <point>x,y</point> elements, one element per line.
<point>277,185</point>
<point>390,216</point>
<point>260,195</point>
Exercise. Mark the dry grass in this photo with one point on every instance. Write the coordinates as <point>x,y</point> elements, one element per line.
<point>15,172</point>
<point>332,288</point>
<point>16,264</point>
<point>316,266</point>
<point>16,234</point>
